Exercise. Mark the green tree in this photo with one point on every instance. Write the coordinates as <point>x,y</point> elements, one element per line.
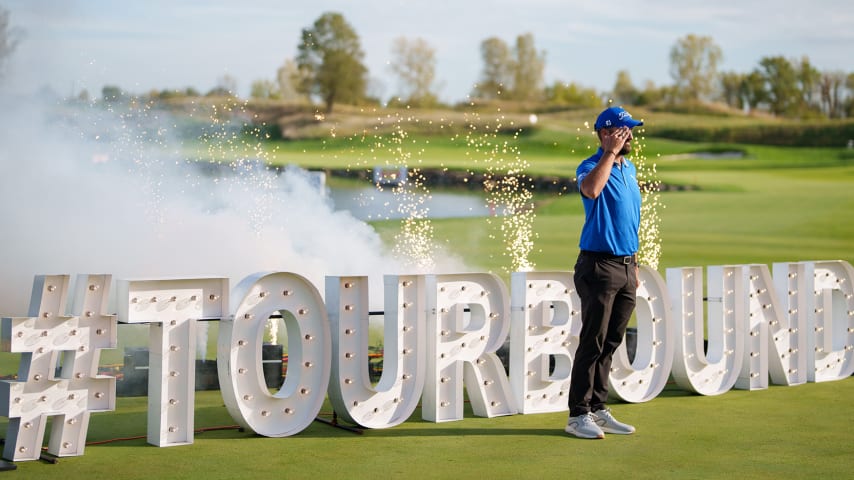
<point>753,90</point>
<point>111,93</point>
<point>694,65</point>
<point>732,89</point>
<point>497,75</point>
<point>528,69</point>
<point>831,92</point>
<point>330,58</point>
<point>849,103</point>
<point>165,94</point>
<point>781,85</point>
<point>808,78</point>
<point>263,89</point>
<point>9,38</point>
<point>572,94</point>
<point>652,94</point>
<point>624,92</point>
<point>414,63</point>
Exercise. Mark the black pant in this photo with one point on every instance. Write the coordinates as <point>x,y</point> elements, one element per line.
<point>607,288</point>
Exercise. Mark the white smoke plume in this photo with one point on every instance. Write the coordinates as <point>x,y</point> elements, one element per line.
<point>87,189</point>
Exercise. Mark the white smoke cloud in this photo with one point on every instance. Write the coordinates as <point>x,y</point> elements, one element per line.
<point>90,190</point>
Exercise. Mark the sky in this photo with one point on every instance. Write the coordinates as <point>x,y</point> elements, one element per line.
<point>140,45</point>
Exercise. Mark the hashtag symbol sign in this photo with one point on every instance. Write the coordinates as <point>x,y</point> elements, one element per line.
<point>58,375</point>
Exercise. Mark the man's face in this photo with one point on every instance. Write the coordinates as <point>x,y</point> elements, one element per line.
<point>627,146</point>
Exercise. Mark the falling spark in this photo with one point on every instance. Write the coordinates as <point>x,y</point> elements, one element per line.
<point>649,233</point>
<point>414,243</point>
<point>508,189</point>
<point>231,140</point>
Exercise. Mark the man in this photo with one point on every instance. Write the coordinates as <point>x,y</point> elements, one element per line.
<point>606,273</point>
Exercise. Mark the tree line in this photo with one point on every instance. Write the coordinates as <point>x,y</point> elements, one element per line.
<point>329,69</point>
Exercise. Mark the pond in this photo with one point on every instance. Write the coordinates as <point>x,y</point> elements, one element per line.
<point>370,203</point>
<point>364,201</point>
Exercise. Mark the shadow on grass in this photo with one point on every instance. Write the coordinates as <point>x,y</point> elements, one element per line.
<point>127,425</point>
<point>412,428</point>
<point>457,431</point>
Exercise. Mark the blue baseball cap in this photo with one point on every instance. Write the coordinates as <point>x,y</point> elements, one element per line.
<point>615,117</point>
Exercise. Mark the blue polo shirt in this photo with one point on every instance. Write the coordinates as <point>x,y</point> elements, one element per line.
<point>611,220</point>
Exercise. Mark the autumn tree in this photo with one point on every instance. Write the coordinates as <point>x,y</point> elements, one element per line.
<point>497,74</point>
<point>528,69</point>
<point>288,79</point>
<point>515,74</point>
<point>330,59</point>
<point>414,64</point>
<point>693,66</point>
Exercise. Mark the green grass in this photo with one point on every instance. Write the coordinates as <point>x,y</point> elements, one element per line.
<point>781,432</point>
<point>738,216</point>
<point>768,216</point>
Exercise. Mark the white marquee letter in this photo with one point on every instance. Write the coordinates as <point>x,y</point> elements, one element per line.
<point>79,390</point>
<point>833,325</point>
<point>788,333</point>
<point>716,371</point>
<point>467,321</point>
<point>399,390</point>
<point>241,378</point>
<point>172,307</point>
<point>646,376</point>
<point>766,327</point>
<point>545,325</point>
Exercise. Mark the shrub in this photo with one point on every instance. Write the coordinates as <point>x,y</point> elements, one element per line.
<point>811,134</point>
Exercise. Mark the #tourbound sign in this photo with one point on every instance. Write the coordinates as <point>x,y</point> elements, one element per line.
<point>441,334</point>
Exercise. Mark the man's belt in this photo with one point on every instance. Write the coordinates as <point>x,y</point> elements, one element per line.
<point>626,260</point>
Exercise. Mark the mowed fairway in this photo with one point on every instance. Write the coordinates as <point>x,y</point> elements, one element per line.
<point>772,207</point>
<point>782,432</point>
<point>774,215</point>
<point>753,212</point>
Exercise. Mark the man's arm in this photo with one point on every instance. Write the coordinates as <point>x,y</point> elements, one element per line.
<point>592,185</point>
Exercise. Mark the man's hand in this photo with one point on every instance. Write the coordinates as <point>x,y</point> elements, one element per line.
<point>614,139</point>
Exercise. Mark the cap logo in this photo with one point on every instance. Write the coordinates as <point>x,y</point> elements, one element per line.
<point>624,114</point>
<point>608,123</point>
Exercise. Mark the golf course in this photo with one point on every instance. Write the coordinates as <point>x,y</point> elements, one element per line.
<point>720,203</point>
